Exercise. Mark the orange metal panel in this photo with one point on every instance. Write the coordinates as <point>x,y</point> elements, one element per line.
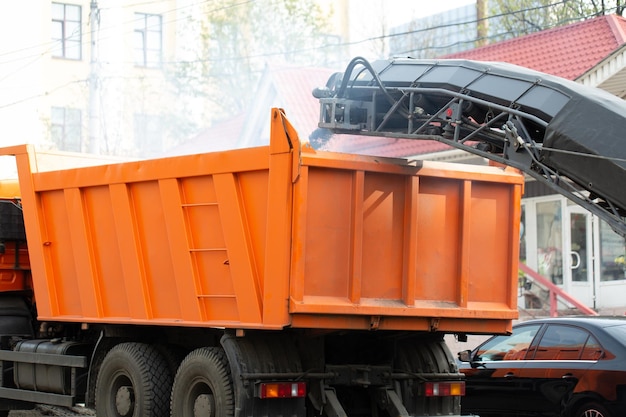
<point>271,237</point>
<point>128,272</point>
<point>356,245</point>
<point>441,261</point>
<point>45,291</point>
<point>409,271</point>
<point>174,221</point>
<point>430,241</point>
<point>416,322</point>
<point>155,250</point>
<point>60,253</point>
<point>85,268</point>
<point>206,248</point>
<point>240,256</point>
<point>283,170</point>
<point>14,267</point>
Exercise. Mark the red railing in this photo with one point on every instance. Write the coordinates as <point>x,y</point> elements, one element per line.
<point>555,293</point>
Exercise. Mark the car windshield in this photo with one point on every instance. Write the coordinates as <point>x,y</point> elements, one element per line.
<point>508,347</point>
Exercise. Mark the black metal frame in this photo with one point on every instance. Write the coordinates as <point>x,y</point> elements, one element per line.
<point>508,134</point>
<point>35,358</point>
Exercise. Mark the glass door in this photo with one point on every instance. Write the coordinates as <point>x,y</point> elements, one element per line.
<point>579,253</point>
<point>549,240</point>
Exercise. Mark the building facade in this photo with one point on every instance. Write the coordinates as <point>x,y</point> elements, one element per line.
<point>88,76</point>
<point>440,34</point>
<point>574,249</point>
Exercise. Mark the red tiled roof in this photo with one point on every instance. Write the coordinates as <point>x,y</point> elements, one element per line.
<point>566,51</point>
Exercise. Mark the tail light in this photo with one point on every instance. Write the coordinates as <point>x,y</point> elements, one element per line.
<point>281,390</point>
<point>444,389</point>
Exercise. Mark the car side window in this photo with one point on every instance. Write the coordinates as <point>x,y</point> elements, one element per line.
<point>562,343</point>
<point>513,347</point>
<point>592,350</point>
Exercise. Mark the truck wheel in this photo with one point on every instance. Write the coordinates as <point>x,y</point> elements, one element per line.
<point>173,356</point>
<point>203,386</point>
<point>134,380</point>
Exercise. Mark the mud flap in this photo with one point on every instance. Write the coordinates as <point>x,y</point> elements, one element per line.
<point>264,355</point>
<point>387,399</point>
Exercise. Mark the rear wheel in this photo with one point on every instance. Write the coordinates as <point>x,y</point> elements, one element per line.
<point>592,409</point>
<point>203,386</point>
<point>134,381</point>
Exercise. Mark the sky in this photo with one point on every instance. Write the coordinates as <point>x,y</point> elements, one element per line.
<point>368,16</point>
<point>402,11</point>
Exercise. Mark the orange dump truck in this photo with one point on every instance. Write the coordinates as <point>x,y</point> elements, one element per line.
<point>270,281</point>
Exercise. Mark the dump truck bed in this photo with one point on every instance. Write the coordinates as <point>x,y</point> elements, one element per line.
<point>273,237</point>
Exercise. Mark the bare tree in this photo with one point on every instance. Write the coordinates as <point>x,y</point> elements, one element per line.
<point>515,18</point>
<point>239,38</point>
<point>482,23</point>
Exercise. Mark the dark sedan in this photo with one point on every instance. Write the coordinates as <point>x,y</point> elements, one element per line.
<point>572,367</point>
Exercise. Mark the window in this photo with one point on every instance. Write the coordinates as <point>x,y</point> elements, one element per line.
<point>566,343</point>
<point>612,254</point>
<point>513,347</point>
<point>148,40</point>
<point>66,128</point>
<point>592,350</point>
<point>148,134</point>
<point>66,31</point>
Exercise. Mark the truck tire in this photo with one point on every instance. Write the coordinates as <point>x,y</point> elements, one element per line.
<point>173,356</point>
<point>134,381</point>
<point>203,385</point>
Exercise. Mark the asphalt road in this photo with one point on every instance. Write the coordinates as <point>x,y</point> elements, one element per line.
<point>43,411</point>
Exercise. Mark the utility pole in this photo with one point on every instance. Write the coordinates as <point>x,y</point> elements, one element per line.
<point>94,81</point>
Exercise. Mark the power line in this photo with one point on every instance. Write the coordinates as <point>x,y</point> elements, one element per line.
<point>318,47</point>
<point>388,36</point>
<point>500,36</point>
<point>45,93</point>
<point>308,49</point>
